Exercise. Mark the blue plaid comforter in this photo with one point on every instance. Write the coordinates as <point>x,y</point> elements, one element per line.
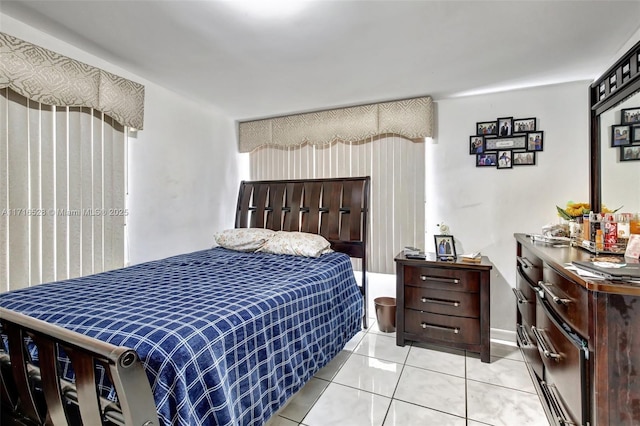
<point>225,337</point>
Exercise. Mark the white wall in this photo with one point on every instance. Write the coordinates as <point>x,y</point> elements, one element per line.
<point>484,206</point>
<point>184,169</point>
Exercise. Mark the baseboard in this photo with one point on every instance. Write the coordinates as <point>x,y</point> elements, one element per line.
<point>506,337</point>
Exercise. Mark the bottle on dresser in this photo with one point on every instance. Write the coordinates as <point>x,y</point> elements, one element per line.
<point>634,224</point>
<point>623,220</point>
<point>610,231</point>
<point>595,222</point>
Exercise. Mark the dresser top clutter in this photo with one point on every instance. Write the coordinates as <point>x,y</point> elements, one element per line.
<point>560,257</point>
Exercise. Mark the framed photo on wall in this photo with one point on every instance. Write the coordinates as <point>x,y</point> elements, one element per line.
<point>488,159</point>
<point>445,247</point>
<point>524,158</point>
<point>476,144</point>
<point>636,133</point>
<point>505,126</point>
<point>523,125</point>
<point>630,153</point>
<point>620,135</point>
<point>505,159</point>
<point>630,115</point>
<point>486,128</point>
<point>534,141</point>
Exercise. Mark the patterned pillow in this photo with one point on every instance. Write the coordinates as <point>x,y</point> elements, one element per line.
<point>297,244</point>
<point>243,239</point>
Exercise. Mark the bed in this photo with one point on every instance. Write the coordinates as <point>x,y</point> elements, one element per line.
<point>218,336</point>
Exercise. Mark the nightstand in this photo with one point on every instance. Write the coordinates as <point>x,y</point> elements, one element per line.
<point>444,303</point>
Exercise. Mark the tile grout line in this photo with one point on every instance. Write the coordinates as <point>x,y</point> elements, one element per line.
<point>466,392</point>
<point>393,394</point>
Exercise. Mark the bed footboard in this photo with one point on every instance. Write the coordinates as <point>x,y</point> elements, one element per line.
<point>39,394</point>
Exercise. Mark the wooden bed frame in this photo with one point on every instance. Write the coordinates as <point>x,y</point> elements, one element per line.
<point>334,208</point>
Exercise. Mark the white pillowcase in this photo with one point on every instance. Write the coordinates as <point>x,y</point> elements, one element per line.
<point>297,244</point>
<point>243,239</point>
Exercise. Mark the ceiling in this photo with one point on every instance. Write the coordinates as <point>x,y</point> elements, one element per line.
<point>340,53</point>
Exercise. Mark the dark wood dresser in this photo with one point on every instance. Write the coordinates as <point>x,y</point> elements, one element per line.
<point>580,338</point>
<point>445,303</point>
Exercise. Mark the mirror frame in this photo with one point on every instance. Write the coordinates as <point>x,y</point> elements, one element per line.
<point>615,85</point>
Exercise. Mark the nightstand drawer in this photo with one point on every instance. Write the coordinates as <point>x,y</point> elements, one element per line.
<point>442,279</point>
<point>442,327</point>
<point>457,303</point>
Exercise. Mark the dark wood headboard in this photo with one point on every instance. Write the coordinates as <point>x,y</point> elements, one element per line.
<point>335,208</point>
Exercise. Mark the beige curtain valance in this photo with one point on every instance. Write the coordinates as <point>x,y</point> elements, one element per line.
<point>53,79</point>
<point>411,118</point>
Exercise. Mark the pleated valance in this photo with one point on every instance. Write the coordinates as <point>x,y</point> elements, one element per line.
<point>53,79</point>
<point>410,118</point>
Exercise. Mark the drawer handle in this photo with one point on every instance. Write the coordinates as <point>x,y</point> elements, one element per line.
<point>440,279</point>
<point>542,344</point>
<point>550,392</point>
<point>545,289</point>
<point>521,334</point>
<point>454,303</point>
<point>454,330</point>
<point>520,297</point>
<point>526,263</point>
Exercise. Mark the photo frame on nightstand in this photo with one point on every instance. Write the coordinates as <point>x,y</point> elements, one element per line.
<point>445,247</point>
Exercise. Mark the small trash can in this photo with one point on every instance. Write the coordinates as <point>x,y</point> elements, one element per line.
<point>386,313</point>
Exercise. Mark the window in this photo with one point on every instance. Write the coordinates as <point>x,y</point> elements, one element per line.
<point>396,167</point>
<point>62,192</point>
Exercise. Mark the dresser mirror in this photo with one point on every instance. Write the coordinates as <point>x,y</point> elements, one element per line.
<point>614,183</point>
<point>620,180</point>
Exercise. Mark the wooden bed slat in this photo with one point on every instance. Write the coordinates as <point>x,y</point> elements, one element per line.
<point>49,372</point>
<point>311,220</point>
<point>244,199</point>
<point>260,193</point>
<point>294,202</point>
<point>276,203</point>
<point>330,227</point>
<point>88,398</point>
<point>19,361</point>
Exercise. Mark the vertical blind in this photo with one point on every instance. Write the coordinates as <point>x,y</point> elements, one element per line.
<point>62,192</point>
<point>396,167</point>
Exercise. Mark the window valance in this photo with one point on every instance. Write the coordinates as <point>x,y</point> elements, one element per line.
<point>53,79</point>
<point>410,118</point>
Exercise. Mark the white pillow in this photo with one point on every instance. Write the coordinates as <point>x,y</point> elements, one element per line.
<point>297,244</point>
<point>243,239</point>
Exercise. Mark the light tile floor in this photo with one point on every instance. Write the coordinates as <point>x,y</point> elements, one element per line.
<point>373,382</point>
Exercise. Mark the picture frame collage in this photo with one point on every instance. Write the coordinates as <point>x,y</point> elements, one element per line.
<point>626,135</point>
<point>506,142</point>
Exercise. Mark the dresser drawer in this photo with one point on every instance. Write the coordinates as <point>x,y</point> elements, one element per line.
<point>564,363</point>
<point>566,298</point>
<point>529,265</point>
<point>525,298</point>
<point>442,327</point>
<point>444,302</point>
<point>441,278</point>
<point>529,346</point>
